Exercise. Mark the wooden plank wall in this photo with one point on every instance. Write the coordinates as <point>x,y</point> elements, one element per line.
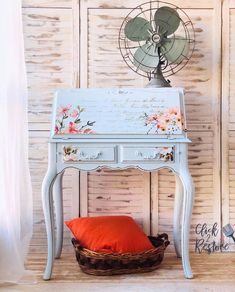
<point>228,114</point>
<point>74,43</point>
<point>51,49</point>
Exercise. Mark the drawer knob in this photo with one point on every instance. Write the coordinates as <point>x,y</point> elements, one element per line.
<point>147,157</point>
<point>96,155</point>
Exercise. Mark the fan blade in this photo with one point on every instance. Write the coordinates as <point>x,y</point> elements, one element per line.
<point>137,29</point>
<point>175,49</point>
<point>167,20</point>
<point>146,58</point>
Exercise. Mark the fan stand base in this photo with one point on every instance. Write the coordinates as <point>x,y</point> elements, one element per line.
<point>158,79</point>
<point>157,82</point>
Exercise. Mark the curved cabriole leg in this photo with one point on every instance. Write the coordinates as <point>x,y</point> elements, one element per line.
<point>177,215</point>
<point>47,200</point>
<point>47,203</point>
<point>186,217</point>
<point>58,203</point>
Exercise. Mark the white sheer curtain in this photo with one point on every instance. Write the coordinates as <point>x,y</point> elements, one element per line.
<point>15,185</point>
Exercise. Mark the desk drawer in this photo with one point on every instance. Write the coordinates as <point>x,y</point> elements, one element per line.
<point>75,153</point>
<point>148,154</point>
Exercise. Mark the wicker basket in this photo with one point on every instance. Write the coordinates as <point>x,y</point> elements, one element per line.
<point>105,264</point>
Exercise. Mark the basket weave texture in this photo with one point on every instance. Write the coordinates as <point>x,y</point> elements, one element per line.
<point>105,264</point>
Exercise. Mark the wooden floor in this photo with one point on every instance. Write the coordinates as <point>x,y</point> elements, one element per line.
<point>215,272</point>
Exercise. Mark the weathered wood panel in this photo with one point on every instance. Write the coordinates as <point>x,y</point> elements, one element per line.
<point>104,67</point>
<point>201,167</point>
<point>50,59</point>
<point>228,115</point>
<point>50,50</point>
<point>49,3</point>
<point>120,193</point>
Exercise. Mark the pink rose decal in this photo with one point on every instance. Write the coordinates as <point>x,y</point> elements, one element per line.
<point>164,122</point>
<point>68,121</point>
<point>72,128</point>
<point>173,111</point>
<point>87,131</point>
<point>56,129</point>
<point>63,111</point>
<point>75,114</point>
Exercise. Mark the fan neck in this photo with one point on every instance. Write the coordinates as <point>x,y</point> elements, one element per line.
<point>158,80</point>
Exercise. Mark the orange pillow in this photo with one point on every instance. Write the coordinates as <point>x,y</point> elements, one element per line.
<point>114,234</point>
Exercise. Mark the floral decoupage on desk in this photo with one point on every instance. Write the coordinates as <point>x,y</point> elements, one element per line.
<point>118,111</point>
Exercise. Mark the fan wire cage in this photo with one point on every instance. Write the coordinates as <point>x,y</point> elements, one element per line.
<point>156,39</point>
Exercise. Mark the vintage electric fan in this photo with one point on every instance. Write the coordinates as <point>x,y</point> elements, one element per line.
<point>156,40</point>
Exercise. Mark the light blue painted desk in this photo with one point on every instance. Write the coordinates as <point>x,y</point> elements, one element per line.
<point>118,129</point>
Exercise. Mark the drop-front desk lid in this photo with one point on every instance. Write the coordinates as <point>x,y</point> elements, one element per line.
<point>156,112</point>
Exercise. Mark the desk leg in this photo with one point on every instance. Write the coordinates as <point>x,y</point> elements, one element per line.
<point>58,203</point>
<point>177,215</point>
<point>186,218</point>
<point>47,201</point>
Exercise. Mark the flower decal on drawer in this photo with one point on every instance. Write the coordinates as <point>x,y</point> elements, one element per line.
<point>166,153</point>
<point>169,121</point>
<point>69,153</point>
<point>69,121</point>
